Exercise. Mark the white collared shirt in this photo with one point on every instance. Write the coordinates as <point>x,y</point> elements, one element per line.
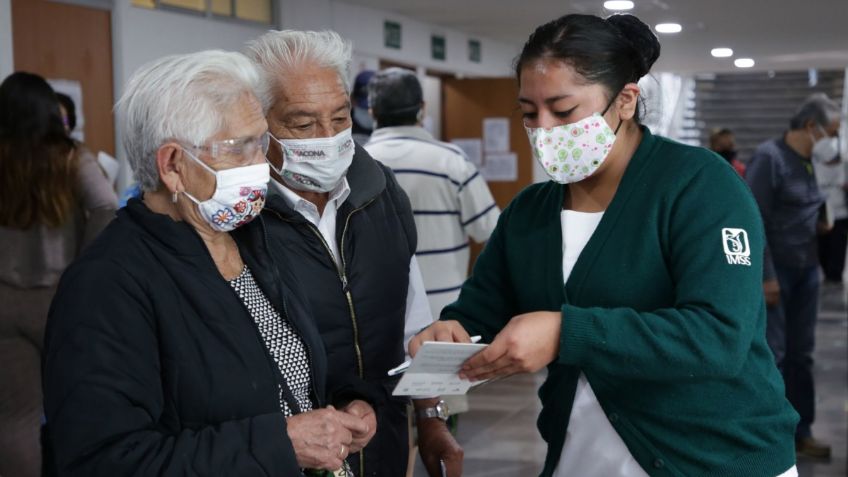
<point>592,446</point>
<point>418,313</point>
<point>326,223</point>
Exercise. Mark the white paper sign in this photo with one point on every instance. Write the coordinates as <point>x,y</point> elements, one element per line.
<point>496,134</point>
<point>434,369</point>
<point>500,167</point>
<point>473,149</point>
<point>110,166</point>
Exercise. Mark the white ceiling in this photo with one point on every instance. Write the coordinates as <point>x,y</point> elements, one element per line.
<point>777,34</point>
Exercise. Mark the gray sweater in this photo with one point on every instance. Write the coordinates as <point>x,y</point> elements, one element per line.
<point>37,256</point>
<point>784,184</point>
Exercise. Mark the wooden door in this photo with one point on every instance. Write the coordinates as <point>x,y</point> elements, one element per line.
<point>465,103</point>
<point>61,41</point>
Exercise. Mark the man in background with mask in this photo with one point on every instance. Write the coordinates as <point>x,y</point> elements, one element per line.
<point>343,226</point>
<point>782,178</point>
<point>723,143</point>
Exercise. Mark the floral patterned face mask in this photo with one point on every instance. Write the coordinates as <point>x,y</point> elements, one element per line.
<point>239,195</point>
<point>572,152</point>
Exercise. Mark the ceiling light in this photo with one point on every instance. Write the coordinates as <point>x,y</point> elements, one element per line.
<point>744,62</point>
<point>721,52</point>
<point>668,28</point>
<point>618,5</point>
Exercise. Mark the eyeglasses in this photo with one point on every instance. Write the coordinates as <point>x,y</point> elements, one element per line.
<point>239,151</point>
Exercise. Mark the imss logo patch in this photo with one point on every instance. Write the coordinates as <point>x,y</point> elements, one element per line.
<point>736,246</point>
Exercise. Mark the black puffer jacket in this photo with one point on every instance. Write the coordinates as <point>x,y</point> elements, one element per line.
<point>360,306</point>
<point>153,366</point>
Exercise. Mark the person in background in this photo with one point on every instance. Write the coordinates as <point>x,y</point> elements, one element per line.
<point>782,177</point>
<point>53,202</point>
<point>634,275</point>
<point>344,224</point>
<point>363,124</point>
<point>450,199</point>
<point>830,176</point>
<point>723,143</point>
<point>69,119</point>
<point>176,345</point>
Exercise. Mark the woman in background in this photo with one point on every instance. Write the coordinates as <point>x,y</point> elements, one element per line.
<point>53,201</point>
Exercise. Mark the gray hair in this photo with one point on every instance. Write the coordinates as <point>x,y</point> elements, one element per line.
<point>288,50</point>
<point>395,97</point>
<point>817,108</point>
<point>180,98</point>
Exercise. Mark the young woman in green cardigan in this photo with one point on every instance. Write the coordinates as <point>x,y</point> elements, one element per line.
<point>634,275</point>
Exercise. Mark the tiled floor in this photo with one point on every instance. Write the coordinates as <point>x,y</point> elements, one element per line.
<point>499,433</point>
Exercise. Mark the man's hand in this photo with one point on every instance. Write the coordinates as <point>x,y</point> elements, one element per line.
<point>322,438</point>
<point>771,291</point>
<point>450,331</point>
<point>526,344</point>
<point>435,444</point>
<point>363,411</point>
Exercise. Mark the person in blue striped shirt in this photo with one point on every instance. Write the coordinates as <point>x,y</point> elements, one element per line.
<point>450,199</point>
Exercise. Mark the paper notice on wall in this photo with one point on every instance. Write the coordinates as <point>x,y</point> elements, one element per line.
<point>74,90</point>
<point>110,166</point>
<point>496,134</point>
<point>473,149</point>
<point>500,167</point>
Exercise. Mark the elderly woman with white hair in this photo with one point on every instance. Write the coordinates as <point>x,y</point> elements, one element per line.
<point>176,345</point>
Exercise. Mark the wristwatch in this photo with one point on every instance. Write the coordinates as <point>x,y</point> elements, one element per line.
<point>440,411</point>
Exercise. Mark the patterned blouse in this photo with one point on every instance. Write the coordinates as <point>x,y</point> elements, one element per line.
<point>281,339</point>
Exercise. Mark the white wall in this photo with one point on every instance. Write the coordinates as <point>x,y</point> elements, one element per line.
<point>364,27</point>
<point>140,35</point>
<point>7,63</point>
<point>432,89</point>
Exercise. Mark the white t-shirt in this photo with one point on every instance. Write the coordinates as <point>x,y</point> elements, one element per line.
<point>592,447</point>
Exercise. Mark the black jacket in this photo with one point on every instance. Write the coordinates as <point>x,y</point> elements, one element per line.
<point>359,307</point>
<point>153,366</point>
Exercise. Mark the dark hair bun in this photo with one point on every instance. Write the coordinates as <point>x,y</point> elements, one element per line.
<point>644,41</point>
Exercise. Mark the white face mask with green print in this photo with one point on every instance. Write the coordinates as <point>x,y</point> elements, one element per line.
<point>572,152</point>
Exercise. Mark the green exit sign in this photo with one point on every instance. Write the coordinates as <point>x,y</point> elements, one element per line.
<point>437,47</point>
<point>474,53</point>
<point>391,34</point>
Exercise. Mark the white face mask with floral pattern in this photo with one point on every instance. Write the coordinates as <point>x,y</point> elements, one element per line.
<point>572,152</point>
<point>239,195</point>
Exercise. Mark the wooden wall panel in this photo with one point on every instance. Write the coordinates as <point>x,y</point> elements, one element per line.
<point>465,103</point>
<point>61,41</point>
